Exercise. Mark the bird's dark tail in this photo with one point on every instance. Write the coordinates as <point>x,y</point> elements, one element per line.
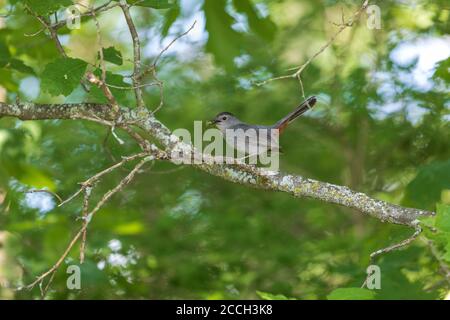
<point>301,109</point>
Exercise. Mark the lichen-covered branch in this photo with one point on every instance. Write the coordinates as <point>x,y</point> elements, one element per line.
<point>238,173</point>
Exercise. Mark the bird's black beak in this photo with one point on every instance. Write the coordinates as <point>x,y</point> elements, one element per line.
<point>212,122</point>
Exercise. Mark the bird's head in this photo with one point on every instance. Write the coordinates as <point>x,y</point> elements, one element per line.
<point>224,120</point>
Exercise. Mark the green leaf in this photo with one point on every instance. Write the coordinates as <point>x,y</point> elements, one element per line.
<point>112,55</point>
<point>263,27</point>
<point>62,76</point>
<point>351,294</point>
<point>4,55</point>
<point>169,19</point>
<point>443,217</point>
<point>18,65</point>
<point>426,188</point>
<point>11,63</point>
<point>46,7</point>
<point>223,42</point>
<point>155,4</point>
<point>271,296</point>
<point>443,70</point>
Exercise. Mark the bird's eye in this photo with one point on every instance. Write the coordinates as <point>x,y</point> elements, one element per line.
<point>224,118</point>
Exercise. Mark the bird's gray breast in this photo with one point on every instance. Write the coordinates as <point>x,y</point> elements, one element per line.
<point>252,140</point>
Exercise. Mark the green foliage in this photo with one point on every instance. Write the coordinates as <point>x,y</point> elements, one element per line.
<point>443,218</point>
<point>113,55</point>
<point>426,188</point>
<point>442,71</point>
<point>4,55</point>
<point>46,7</point>
<point>155,4</point>
<point>20,66</point>
<point>270,296</point>
<point>443,224</point>
<point>223,42</point>
<point>264,27</point>
<point>169,19</point>
<point>185,234</point>
<point>8,62</point>
<point>351,294</point>
<point>62,76</point>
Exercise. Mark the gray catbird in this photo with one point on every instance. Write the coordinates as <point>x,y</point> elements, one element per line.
<point>257,139</point>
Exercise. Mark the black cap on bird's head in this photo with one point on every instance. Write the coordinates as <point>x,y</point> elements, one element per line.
<point>221,117</point>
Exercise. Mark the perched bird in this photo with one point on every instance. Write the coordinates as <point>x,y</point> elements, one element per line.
<point>256,139</point>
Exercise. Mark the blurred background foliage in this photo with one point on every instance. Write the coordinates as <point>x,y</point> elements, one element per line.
<point>381,127</point>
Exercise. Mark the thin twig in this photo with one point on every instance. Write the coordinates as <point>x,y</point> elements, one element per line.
<point>144,144</point>
<point>161,92</point>
<point>301,86</point>
<point>54,35</point>
<point>124,182</point>
<point>84,213</point>
<point>104,7</point>
<point>101,83</point>
<point>155,62</point>
<point>45,290</point>
<point>132,87</point>
<point>92,180</point>
<point>342,27</point>
<point>94,118</point>
<point>399,245</point>
<point>92,78</point>
<point>151,69</point>
<point>114,134</point>
<point>396,246</point>
<point>100,45</point>
<point>52,31</point>
<point>136,54</point>
<point>35,33</point>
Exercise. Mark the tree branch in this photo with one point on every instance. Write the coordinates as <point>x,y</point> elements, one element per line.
<point>136,54</point>
<point>88,216</point>
<point>238,173</point>
<point>102,8</point>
